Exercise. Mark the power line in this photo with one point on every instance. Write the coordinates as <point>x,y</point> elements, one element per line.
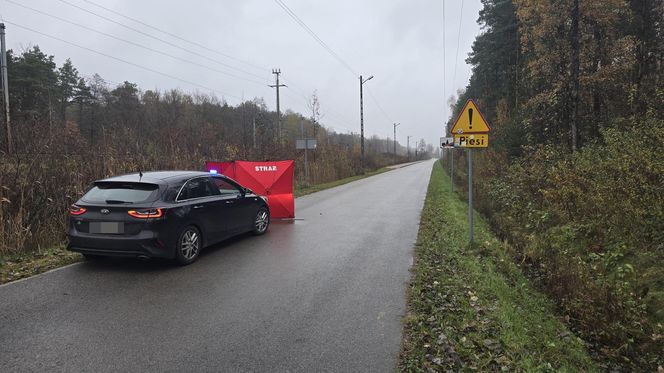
<point>304,26</point>
<point>456,58</point>
<point>284,6</point>
<point>304,97</point>
<point>379,107</point>
<point>313,35</point>
<point>125,61</point>
<point>142,33</point>
<point>300,94</point>
<point>444,67</point>
<point>155,28</point>
<point>176,36</point>
<point>170,44</point>
<point>89,77</point>
<point>135,44</point>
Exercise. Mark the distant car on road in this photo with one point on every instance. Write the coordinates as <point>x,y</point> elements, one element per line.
<point>163,214</point>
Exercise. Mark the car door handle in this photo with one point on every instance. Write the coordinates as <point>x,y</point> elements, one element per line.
<point>229,201</point>
<point>198,207</point>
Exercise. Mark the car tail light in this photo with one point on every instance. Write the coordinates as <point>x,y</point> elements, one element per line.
<point>146,213</point>
<point>76,210</point>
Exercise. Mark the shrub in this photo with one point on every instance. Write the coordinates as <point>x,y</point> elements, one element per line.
<point>589,226</point>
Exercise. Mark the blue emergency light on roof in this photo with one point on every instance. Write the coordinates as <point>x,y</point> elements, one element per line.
<point>213,171</point>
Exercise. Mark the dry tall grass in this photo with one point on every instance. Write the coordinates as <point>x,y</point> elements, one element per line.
<point>53,167</point>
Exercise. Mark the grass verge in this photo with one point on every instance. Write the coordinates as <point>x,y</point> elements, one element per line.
<point>470,307</point>
<point>16,267</point>
<point>303,191</point>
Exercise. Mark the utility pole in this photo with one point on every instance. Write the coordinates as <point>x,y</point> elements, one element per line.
<point>253,122</point>
<point>408,146</point>
<point>277,72</point>
<point>395,140</point>
<point>5,90</point>
<point>362,81</point>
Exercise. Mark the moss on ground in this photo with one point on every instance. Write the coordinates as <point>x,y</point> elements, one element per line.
<point>16,267</point>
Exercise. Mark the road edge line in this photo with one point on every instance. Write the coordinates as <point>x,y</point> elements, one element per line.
<point>38,274</point>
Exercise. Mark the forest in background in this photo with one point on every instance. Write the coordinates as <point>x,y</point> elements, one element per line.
<point>573,179</point>
<point>69,131</point>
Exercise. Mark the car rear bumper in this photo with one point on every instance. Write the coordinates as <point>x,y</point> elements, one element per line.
<point>144,244</point>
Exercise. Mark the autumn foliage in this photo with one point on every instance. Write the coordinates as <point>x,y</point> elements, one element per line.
<point>574,176</point>
<point>70,131</point>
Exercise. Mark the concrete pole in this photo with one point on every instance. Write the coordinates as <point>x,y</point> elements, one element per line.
<point>253,123</point>
<point>277,72</point>
<point>5,90</point>
<point>395,141</point>
<point>361,127</point>
<point>408,147</point>
<point>362,81</point>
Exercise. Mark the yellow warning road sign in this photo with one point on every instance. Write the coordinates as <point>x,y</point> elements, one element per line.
<point>471,140</point>
<point>470,120</point>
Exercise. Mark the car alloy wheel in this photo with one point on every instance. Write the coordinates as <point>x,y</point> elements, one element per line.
<point>189,245</point>
<point>262,221</point>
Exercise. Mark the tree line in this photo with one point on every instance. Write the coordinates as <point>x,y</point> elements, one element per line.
<point>574,175</point>
<point>70,130</point>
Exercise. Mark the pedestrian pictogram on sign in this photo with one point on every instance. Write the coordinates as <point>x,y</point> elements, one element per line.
<point>447,142</point>
<point>470,120</point>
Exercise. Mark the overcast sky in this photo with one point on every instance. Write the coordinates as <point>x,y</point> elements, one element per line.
<point>399,42</point>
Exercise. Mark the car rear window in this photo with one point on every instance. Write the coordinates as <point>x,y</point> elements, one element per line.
<point>121,193</point>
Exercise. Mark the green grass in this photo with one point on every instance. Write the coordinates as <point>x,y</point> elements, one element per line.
<point>15,267</point>
<point>470,307</point>
<point>303,191</point>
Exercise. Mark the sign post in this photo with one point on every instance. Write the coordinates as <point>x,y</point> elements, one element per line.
<point>470,194</point>
<point>448,143</point>
<point>470,131</point>
<point>452,169</point>
<point>305,144</point>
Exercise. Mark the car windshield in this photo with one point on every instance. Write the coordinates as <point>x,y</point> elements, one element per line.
<point>121,193</point>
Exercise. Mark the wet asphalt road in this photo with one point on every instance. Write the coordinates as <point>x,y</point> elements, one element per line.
<point>325,293</point>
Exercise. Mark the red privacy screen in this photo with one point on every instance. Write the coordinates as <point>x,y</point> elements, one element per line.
<point>271,179</point>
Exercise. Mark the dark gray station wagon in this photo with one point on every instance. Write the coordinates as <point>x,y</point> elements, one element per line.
<point>163,214</point>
